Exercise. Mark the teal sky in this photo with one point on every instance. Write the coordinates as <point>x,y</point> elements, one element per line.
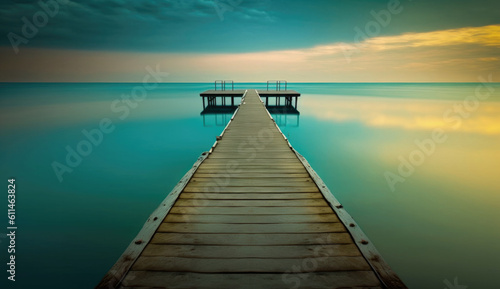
<point>159,29</point>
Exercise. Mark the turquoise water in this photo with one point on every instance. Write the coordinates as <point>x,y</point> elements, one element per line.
<point>441,223</point>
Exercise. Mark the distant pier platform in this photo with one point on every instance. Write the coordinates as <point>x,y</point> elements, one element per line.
<point>227,97</point>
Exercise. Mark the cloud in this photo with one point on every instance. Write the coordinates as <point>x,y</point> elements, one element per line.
<point>448,56</point>
<point>484,36</point>
<point>148,25</point>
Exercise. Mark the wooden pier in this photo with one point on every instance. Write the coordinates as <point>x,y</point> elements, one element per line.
<point>227,97</point>
<point>251,213</point>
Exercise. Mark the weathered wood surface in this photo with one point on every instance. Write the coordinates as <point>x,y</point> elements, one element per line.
<point>251,216</point>
<point>246,239</point>
<point>252,219</point>
<point>320,280</point>
<point>263,252</point>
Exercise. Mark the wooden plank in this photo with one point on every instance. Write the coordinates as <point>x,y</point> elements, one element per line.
<point>121,267</point>
<point>251,219</point>
<point>250,203</point>
<point>253,163</point>
<point>249,161</point>
<point>259,161</point>
<point>251,228</point>
<point>241,167</point>
<point>246,265</point>
<point>256,181</point>
<point>251,175</point>
<point>244,182</point>
<point>252,210</point>
<point>190,188</point>
<point>272,239</point>
<point>271,151</point>
<point>254,150</point>
<point>314,280</point>
<point>239,138</point>
<point>264,252</point>
<point>251,196</point>
<point>250,145</point>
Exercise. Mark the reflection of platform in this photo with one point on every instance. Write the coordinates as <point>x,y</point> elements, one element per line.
<point>221,97</point>
<point>282,109</point>
<point>221,104</point>
<point>221,115</point>
<point>219,109</point>
<point>224,109</point>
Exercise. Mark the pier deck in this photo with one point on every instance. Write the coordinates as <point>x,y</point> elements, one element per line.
<point>251,213</point>
<point>211,97</point>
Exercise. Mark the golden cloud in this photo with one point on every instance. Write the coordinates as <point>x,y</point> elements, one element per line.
<point>484,36</point>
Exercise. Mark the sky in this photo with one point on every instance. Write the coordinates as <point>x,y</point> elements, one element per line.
<point>250,40</point>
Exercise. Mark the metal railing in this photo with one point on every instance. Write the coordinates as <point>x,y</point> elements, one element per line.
<point>223,84</point>
<point>278,84</point>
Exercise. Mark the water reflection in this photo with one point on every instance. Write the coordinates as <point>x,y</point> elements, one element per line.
<point>406,113</point>
<point>350,133</point>
<point>435,218</point>
<point>219,114</point>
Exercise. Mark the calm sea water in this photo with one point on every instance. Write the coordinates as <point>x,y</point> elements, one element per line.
<point>434,221</point>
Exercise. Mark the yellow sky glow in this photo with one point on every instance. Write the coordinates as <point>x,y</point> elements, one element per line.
<point>453,55</point>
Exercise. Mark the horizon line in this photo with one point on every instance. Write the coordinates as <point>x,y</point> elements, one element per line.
<point>243,82</point>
